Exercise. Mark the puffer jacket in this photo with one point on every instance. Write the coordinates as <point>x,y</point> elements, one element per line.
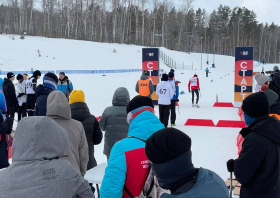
<point>20,88</point>
<point>113,120</point>
<point>128,164</point>
<point>65,86</point>
<point>59,110</point>
<point>37,169</point>
<point>80,112</point>
<point>42,94</point>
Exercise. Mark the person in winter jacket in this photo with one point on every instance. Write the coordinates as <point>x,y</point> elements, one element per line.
<point>165,93</point>
<point>64,85</point>
<point>38,168</point>
<point>10,94</point>
<point>261,80</point>
<point>31,85</point>
<point>194,86</point>
<point>5,129</point>
<point>42,92</point>
<point>58,109</point>
<point>128,165</point>
<point>144,86</point>
<point>174,99</point>
<point>21,96</point>
<point>169,151</point>
<point>206,71</point>
<point>276,75</point>
<point>80,112</point>
<point>257,167</point>
<point>113,120</point>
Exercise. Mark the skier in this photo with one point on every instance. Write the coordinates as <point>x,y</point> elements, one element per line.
<point>128,165</point>
<point>113,120</point>
<point>21,96</point>
<point>31,85</point>
<point>174,99</point>
<point>194,86</point>
<point>207,71</point>
<point>42,92</point>
<point>10,94</point>
<point>258,162</point>
<point>169,151</point>
<point>5,129</point>
<point>64,85</point>
<point>165,93</point>
<point>262,68</point>
<point>144,86</point>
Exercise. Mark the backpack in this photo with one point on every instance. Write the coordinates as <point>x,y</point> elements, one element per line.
<point>146,194</point>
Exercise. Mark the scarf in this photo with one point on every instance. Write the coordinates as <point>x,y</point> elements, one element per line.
<point>131,115</point>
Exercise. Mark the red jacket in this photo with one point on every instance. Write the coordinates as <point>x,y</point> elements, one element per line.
<point>194,83</point>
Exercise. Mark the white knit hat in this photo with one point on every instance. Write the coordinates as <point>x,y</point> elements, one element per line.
<point>261,79</point>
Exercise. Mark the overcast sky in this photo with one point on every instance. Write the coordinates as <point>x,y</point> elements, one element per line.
<point>266,10</point>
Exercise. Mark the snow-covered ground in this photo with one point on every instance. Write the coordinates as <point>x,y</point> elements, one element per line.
<point>211,146</point>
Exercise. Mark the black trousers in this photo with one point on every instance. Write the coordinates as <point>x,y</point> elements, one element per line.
<point>11,111</point>
<point>206,74</point>
<point>173,111</point>
<point>22,111</point>
<point>164,114</point>
<point>197,95</point>
<point>30,105</point>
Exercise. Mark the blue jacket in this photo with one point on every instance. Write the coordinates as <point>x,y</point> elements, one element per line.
<point>208,185</point>
<point>128,164</point>
<point>65,87</point>
<point>42,94</point>
<point>176,95</point>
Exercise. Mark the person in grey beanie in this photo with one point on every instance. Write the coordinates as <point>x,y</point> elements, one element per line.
<point>38,168</point>
<point>261,80</point>
<point>276,75</point>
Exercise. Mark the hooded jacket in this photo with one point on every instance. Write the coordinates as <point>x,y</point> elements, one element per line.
<point>258,165</point>
<point>113,120</point>
<point>80,112</point>
<point>10,93</point>
<point>42,94</point>
<point>128,163</point>
<point>58,109</point>
<point>151,86</point>
<point>37,169</point>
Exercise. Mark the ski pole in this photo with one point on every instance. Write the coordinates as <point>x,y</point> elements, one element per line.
<point>230,195</point>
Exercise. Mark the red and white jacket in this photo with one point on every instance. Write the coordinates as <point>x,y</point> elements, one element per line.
<point>194,83</point>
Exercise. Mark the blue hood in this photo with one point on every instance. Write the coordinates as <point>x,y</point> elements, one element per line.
<point>144,125</point>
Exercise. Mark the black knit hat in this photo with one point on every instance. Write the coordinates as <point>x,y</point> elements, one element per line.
<point>171,75</point>
<point>256,105</point>
<point>10,75</point>
<point>19,77</point>
<point>139,101</point>
<point>164,77</point>
<point>172,70</point>
<point>166,145</point>
<point>53,76</point>
<point>36,73</point>
<point>63,73</point>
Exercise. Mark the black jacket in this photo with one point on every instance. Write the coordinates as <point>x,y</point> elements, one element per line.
<point>80,112</point>
<point>274,87</point>
<point>276,78</point>
<point>4,163</point>
<point>42,94</point>
<point>258,165</point>
<point>10,93</point>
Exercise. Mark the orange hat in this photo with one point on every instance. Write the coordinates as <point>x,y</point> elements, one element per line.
<point>77,96</point>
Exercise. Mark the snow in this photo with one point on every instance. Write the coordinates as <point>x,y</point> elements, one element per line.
<point>211,146</point>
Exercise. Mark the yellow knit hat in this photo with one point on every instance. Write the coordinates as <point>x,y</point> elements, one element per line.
<point>77,96</point>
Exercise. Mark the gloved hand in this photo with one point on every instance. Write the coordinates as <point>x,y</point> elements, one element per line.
<point>230,165</point>
<point>21,94</point>
<point>177,100</point>
<point>10,122</point>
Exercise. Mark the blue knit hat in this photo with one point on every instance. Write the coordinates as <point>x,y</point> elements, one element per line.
<point>50,81</point>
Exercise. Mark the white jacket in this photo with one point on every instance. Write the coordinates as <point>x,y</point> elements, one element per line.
<point>20,88</point>
<point>165,93</point>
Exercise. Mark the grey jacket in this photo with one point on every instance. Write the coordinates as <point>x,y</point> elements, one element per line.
<point>113,120</point>
<point>58,109</point>
<point>151,86</point>
<point>37,169</point>
<point>208,185</point>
